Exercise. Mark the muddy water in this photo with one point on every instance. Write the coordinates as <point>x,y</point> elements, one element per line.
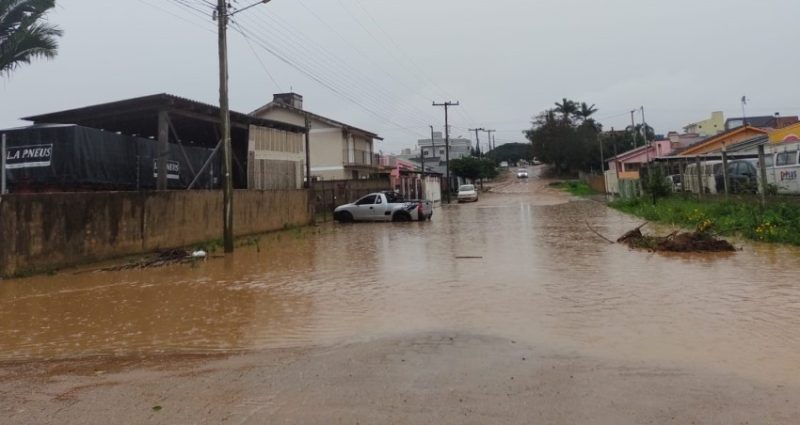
<point>542,277</point>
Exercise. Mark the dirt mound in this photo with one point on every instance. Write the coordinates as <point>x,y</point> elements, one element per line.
<point>676,242</point>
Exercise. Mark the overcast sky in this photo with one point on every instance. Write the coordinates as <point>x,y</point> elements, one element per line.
<point>379,64</point>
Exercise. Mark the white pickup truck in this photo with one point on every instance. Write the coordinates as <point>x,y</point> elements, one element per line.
<point>384,206</point>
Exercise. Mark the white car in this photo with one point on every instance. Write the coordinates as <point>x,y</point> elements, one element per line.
<point>522,173</point>
<point>467,193</point>
<point>384,206</point>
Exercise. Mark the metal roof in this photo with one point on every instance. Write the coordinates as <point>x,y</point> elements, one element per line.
<point>110,116</point>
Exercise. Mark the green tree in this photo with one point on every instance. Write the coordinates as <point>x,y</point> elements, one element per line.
<point>567,108</point>
<point>585,111</point>
<point>511,152</point>
<point>473,168</point>
<point>567,145</point>
<point>24,33</point>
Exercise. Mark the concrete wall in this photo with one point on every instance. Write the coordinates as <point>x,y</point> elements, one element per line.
<point>44,231</point>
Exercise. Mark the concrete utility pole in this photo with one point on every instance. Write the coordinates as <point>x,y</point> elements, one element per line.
<point>225,119</point>
<point>308,152</point>
<point>633,127</point>
<point>446,106</point>
<point>489,135</point>
<point>222,16</point>
<point>422,151</point>
<point>477,140</point>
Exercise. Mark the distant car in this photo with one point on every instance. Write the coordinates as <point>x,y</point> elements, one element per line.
<point>522,173</point>
<point>467,193</point>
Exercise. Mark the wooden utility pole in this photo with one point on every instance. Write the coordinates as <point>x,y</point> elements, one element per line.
<point>446,106</point>
<point>225,119</point>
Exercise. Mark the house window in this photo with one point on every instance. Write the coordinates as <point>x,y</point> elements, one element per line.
<point>441,151</point>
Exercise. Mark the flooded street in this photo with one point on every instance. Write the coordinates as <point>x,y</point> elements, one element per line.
<point>519,266</point>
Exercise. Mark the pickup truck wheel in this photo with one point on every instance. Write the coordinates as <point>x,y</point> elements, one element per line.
<point>344,217</point>
<point>401,217</point>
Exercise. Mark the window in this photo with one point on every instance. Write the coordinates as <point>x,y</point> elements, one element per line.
<point>769,160</point>
<point>786,158</point>
<point>378,200</point>
<point>367,200</point>
<point>441,151</point>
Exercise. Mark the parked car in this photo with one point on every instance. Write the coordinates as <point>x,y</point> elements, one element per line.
<point>384,206</point>
<point>742,178</point>
<point>522,173</point>
<point>467,193</point>
<point>676,182</point>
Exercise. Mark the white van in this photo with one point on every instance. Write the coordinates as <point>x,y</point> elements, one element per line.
<point>783,167</point>
<point>708,180</point>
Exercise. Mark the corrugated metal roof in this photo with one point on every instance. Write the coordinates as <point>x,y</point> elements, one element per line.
<point>147,105</point>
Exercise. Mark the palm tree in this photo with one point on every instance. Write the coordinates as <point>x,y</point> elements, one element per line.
<point>585,111</point>
<point>567,108</point>
<point>24,34</point>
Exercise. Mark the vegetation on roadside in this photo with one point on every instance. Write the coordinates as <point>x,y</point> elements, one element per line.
<point>575,187</point>
<point>779,222</point>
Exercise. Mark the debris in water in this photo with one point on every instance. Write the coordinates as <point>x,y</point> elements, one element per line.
<point>697,241</point>
<point>160,259</point>
<point>468,258</point>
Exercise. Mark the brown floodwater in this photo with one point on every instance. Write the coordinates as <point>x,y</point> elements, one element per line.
<point>542,277</point>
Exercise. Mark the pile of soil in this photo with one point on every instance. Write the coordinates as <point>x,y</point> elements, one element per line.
<point>676,242</point>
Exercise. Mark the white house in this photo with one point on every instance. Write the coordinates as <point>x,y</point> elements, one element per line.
<point>338,151</point>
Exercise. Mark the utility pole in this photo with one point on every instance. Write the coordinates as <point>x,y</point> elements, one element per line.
<point>644,126</point>
<point>422,151</point>
<point>489,135</point>
<point>222,16</point>
<point>225,119</point>
<point>477,140</point>
<point>633,127</point>
<point>446,106</point>
<point>308,152</point>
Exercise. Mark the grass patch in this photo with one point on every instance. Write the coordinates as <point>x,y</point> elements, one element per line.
<point>778,223</point>
<point>575,187</point>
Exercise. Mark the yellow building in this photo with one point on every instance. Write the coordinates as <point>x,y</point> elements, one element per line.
<point>709,127</point>
<point>786,134</point>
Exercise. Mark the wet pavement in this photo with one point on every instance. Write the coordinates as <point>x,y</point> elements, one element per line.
<point>521,265</point>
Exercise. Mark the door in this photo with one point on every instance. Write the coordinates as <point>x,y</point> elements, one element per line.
<point>365,207</point>
<point>379,209</point>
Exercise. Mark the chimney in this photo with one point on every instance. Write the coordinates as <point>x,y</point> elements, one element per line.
<point>292,99</point>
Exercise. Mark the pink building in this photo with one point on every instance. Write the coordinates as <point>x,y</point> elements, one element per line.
<point>629,163</point>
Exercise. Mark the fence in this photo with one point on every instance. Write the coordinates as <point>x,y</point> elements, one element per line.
<point>596,182</point>
<point>328,194</point>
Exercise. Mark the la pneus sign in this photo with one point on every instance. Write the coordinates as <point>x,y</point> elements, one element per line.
<point>29,156</point>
